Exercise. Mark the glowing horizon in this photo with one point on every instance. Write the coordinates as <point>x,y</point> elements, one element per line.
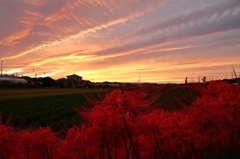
<point>101,40</point>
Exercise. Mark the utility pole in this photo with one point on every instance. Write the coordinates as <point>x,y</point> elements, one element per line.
<point>239,72</point>
<point>1,66</point>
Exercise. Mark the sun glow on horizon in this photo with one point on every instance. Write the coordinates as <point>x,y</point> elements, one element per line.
<point>14,71</point>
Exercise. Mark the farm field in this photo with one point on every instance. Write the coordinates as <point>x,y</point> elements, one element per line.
<point>56,107</point>
<point>171,121</point>
<point>42,107</point>
<point>6,94</point>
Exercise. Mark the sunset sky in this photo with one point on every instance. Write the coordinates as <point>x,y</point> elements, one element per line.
<point>121,40</point>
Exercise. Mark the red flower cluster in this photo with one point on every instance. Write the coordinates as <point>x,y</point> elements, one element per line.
<point>39,144</point>
<point>125,125</point>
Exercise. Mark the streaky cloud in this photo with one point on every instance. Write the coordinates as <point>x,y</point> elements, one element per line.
<point>35,2</point>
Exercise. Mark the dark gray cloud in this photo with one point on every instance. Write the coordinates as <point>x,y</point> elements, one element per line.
<point>209,20</point>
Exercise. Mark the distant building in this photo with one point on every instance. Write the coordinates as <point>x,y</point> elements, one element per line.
<point>75,77</point>
<point>107,84</point>
<point>28,79</point>
<point>74,81</point>
<point>12,80</point>
<point>87,83</point>
<point>61,82</point>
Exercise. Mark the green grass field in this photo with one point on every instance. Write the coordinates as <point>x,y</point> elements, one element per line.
<point>56,107</point>
<point>43,107</point>
<point>6,94</point>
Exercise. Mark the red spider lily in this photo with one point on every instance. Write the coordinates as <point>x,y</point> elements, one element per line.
<point>76,144</point>
<point>105,126</point>
<point>169,131</point>
<point>117,105</point>
<point>25,142</point>
<point>218,112</point>
<point>124,125</point>
<point>7,141</point>
<point>44,143</point>
<point>128,101</point>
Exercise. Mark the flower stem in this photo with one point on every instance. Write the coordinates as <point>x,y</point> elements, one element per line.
<point>131,139</point>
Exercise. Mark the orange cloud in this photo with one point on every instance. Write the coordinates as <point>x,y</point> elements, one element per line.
<point>65,12</point>
<point>57,59</point>
<point>9,40</point>
<point>24,53</point>
<point>35,2</point>
<point>28,22</point>
<point>13,39</point>
<point>94,50</point>
<point>33,13</point>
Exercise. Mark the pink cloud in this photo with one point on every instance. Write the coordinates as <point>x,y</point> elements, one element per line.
<point>35,2</point>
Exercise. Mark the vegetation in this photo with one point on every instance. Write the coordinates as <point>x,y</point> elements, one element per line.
<point>56,107</point>
<point>172,122</point>
<point>42,107</point>
<point>6,94</point>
